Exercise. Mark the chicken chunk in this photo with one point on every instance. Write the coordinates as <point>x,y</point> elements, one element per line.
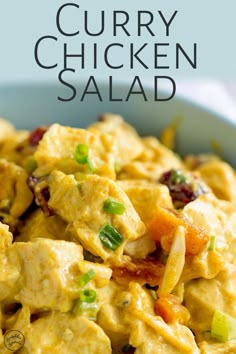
<point>59,333</point>
<point>150,334</point>
<point>81,204</point>
<point>56,150</point>
<point>37,225</point>
<point>198,299</point>
<point>15,195</point>
<point>128,143</point>
<point>13,143</point>
<point>9,272</point>
<point>64,333</point>
<point>143,194</point>
<point>150,165</point>
<point>218,218</point>
<point>221,178</point>
<point>49,270</point>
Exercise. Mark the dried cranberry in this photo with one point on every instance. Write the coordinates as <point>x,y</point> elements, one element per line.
<point>45,193</point>
<point>183,190</point>
<point>37,134</point>
<point>42,196</point>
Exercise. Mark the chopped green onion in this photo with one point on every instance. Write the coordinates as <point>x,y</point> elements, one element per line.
<point>110,237</point>
<point>81,153</point>
<point>117,166</point>
<point>86,277</point>
<point>86,309</point>
<point>82,156</point>
<point>86,304</point>
<point>87,295</point>
<point>211,245</point>
<point>111,206</point>
<point>90,165</point>
<point>223,327</point>
<point>177,177</point>
<point>31,165</point>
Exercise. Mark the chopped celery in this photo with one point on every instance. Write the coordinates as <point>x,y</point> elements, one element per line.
<point>223,327</point>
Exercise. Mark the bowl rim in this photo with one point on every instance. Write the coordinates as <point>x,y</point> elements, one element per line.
<point>123,83</point>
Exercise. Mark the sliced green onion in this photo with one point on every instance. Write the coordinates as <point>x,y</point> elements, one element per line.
<point>212,241</point>
<point>87,295</point>
<point>86,277</point>
<point>177,177</point>
<point>117,166</point>
<point>82,155</point>
<point>90,165</point>
<point>111,206</point>
<point>110,237</point>
<point>223,327</point>
<point>31,165</point>
<point>86,309</point>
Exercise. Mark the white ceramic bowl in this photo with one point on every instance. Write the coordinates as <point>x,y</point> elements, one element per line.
<point>36,104</point>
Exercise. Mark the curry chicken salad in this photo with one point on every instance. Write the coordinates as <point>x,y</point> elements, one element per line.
<point>111,243</point>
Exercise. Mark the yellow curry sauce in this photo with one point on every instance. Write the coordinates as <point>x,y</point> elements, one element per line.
<point>111,243</point>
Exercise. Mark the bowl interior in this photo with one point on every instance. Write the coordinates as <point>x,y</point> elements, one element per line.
<point>36,104</point>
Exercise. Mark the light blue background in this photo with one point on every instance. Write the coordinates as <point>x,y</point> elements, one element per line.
<point>210,23</point>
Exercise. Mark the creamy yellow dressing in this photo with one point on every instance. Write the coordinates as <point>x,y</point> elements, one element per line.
<point>52,213</point>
